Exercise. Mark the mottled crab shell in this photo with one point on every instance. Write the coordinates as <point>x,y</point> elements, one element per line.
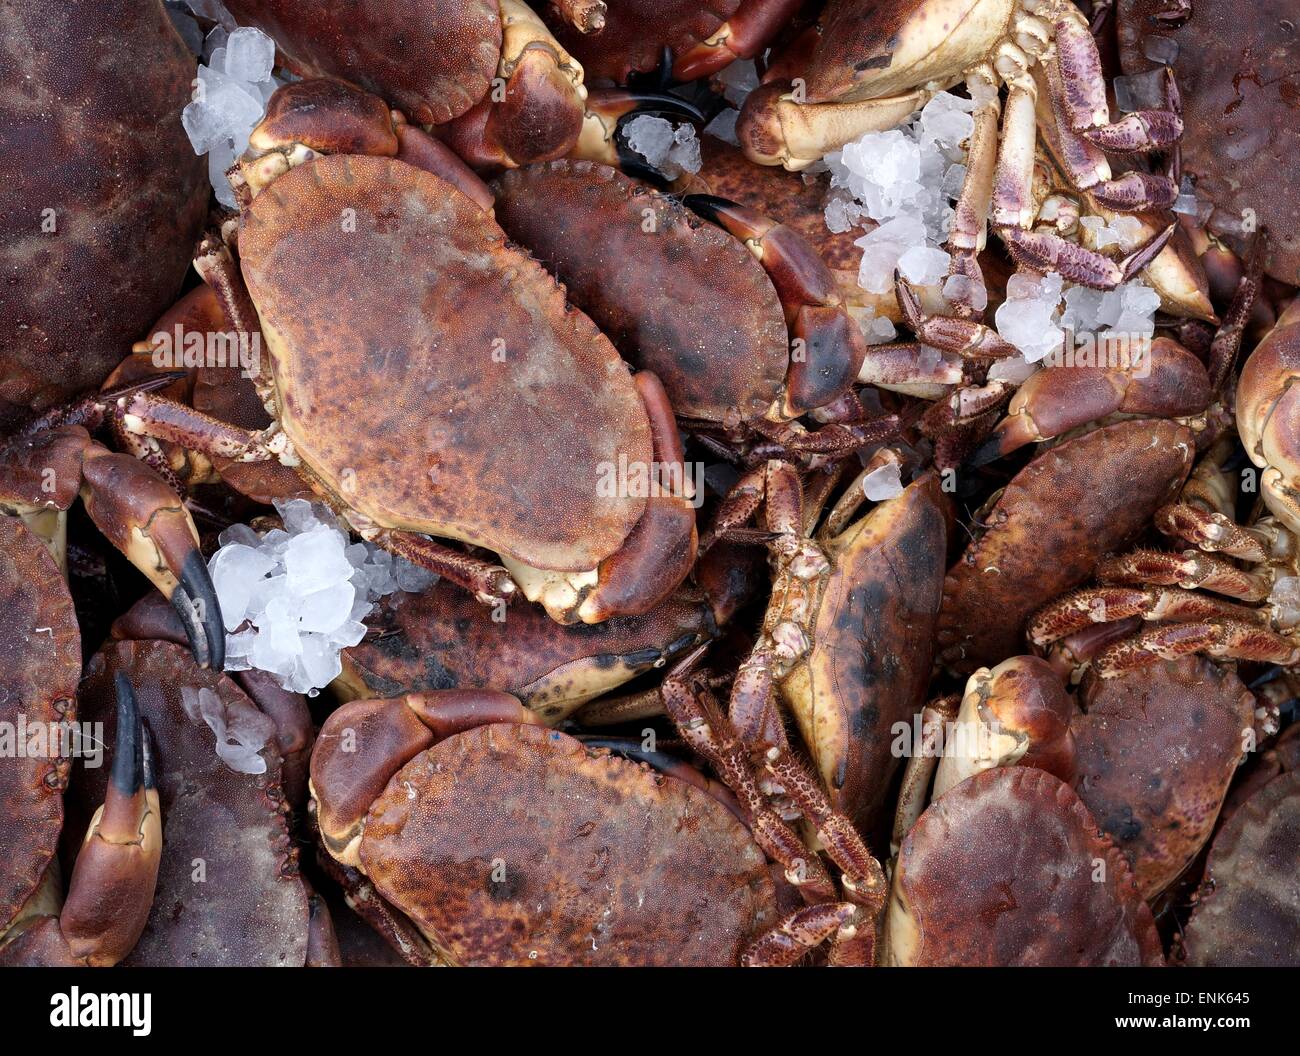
<point>433,59</point>
<point>675,294</point>
<point>40,662</point>
<point>637,31</point>
<point>248,907</point>
<point>1156,750</point>
<point>873,642</point>
<point>445,639</point>
<point>1249,909</point>
<point>101,195</point>
<point>430,374</point>
<point>517,845</point>
<point>870,50</point>
<point>1238,71</point>
<point>1008,868</point>
<point>1073,503</point>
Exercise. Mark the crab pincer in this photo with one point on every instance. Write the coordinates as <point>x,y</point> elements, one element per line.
<point>112,886</point>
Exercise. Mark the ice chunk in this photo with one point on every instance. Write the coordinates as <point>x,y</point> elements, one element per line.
<point>962,288</point>
<point>670,150</point>
<point>215,10</point>
<point>250,55</point>
<point>1142,91</point>
<point>924,265</point>
<point>1129,231</point>
<point>411,577</point>
<point>1027,318</point>
<point>738,80</point>
<point>1014,369</point>
<point>205,126</point>
<point>315,560</point>
<point>879,330</point>
<point>238,738</point>
<point>1102,235</point>
<point>325,610</point>
<point>946,120</point>
<point>1163,50</point>
<point>723,126</point>
<point>884,482</point>
<point>685,152</point>
<point>234,570</point>
<point>189,29</point>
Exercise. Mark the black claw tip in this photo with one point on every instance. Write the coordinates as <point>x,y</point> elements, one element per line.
<point>195,601</point>
<point>128,770</point>
<point>709,206</point>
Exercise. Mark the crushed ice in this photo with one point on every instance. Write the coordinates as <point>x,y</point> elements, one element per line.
<point>234,83</point>
<point>671,150</point>
<point>883,482</point>
<point>292,599</point>
<point>238,740</point>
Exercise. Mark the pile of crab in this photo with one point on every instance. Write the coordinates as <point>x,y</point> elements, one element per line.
<point>603,498</point>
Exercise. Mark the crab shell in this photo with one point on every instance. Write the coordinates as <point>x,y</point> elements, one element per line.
<point>869,50</point>
<point>90,142</point>
<point>1156,749</point>
<point>637,31</point>
<point>430,375</point>
<point>433,59</point>
<point>251,908</point>
<point>40,662</point>
<point>1086,497</point>
<point>1009,868</point>
<point>1249,909</point>
<point>873,643</point>
<point>445,639</point>
<point>1236,68</point>
<point>675,294</point>
<point>1268,414</point>
<point>517,845</point>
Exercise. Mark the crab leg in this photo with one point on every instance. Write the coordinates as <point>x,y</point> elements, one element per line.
<point>1109,603</point>
<point>1188,570</point>
<point>1224,639</point>
<point>966,238</point>
<point>959,336</point>
<point>488,582</point>
<point>829,346</point>
<point>1083,97</point>
<point>742,36</point>
<point>1014,212</point>
<point>803,930</point>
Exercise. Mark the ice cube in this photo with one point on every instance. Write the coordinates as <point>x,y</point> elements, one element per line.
<point>411,577</point>
<point>924,265</point>
<point>235,569</point>
<point>191,32</point>
<point>205,126</point>
<point>684,155</point>
<point>320,663</point>
<point>215,10</point>
<point>1129,231</point>
<point>326,609</point>
<point>315,560</point>
<point>651,137</point>
<point>876,269</point>
<point>1142,91</point>
<point>738,80</point>
<point>250,55</point>
<point>961,288</point>
<point>883,482</point>
<point>1102,236</point>
<point>1163,50</point>
<point>946,120</point>
<point>723,126</point>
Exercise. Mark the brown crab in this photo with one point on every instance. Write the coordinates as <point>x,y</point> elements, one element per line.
<point>968,883</point>
<point>1236,64</point>
<point>647,869</point>
<point>229,888</point>
<point>102,196</point>
<point>1151,754</point>
<point>776,341</point>
<point>1248,910</point>
<point>1050,526</point>
<point>477,316</point>
<point>112,882</point>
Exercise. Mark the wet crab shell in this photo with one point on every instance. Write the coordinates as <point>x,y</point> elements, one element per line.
<point>870,661</point>
<point>1249,909</point>
<point>872,51</point>
<point>40,662</point>
<point>251,908</point>
<point>423,366</point>
<point>1237,70</point>
<point>517,845</point>
<point>445,639</point>
<point>91,143</point>
<point>1073,503</point>
<point>675,294</point>
<point>433,59</point>
<point>1156,750</point>
<point>636,32</point>
<point>1009,868</point>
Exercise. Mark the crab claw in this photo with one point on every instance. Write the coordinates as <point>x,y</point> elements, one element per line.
<point>742,36</point>
<point>829,346</point>
<point>140,515</point>
<point>608,112</point>
<point>112,886</point>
